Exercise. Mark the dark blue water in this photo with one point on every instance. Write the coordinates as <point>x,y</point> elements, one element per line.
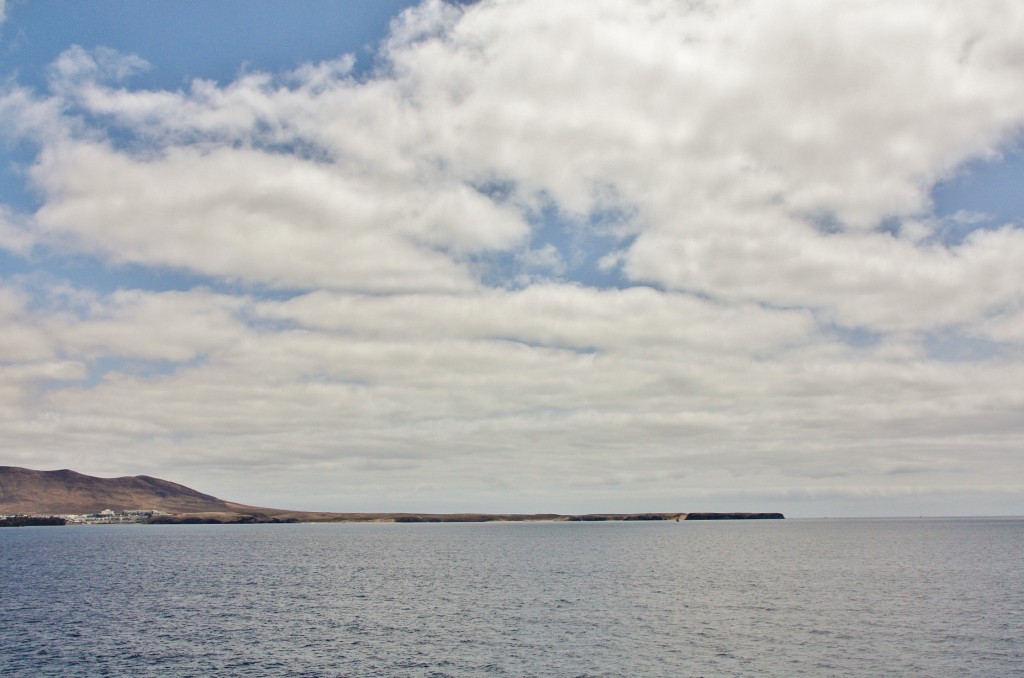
<point>746,598</point>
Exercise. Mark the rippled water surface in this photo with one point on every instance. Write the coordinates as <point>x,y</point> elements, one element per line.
<point>929,597</point>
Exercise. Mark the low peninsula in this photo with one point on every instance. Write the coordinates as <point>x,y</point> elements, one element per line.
<point>29,497</point>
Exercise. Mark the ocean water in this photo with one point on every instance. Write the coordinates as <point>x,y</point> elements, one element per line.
<point>923,597</point>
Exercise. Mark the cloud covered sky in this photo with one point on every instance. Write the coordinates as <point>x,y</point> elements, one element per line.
<point>591,255</point>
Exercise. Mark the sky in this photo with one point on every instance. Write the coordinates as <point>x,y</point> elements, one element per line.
<point>519,256</point>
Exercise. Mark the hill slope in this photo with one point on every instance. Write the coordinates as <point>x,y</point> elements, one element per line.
<point>57,492</point>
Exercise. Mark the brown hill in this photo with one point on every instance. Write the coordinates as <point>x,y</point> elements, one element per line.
<point>24,491</point>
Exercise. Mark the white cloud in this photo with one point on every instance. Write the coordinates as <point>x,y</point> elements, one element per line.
<point>77,67</point>
<point>568,393</point>
<point>266,217</point>
<point>766,168</point>
<point>731,134</point>
<point>734,132</point>
<point>14,237</point>
<point>22,341</point>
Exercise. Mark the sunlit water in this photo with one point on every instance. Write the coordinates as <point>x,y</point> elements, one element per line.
<point>925,597</point>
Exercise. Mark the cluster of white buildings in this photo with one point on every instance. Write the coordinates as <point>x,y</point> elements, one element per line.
<point>109,517</point>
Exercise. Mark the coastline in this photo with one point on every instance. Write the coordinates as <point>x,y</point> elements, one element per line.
<point>306,517</point>
<point>417,518</point>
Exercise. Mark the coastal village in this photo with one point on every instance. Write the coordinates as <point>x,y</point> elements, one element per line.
<point>105,517</point>
<point>109,517</point>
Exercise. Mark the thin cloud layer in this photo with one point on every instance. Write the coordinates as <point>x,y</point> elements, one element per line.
<point>597,255</point>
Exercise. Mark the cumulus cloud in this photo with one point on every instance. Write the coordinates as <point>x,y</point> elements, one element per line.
<point>398,294</point>
<point>762,147</point>
<point>759,151</point>
<point>265,217</point>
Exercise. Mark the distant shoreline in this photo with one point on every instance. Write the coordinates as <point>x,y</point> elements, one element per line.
<point>288,517</point>
<point>29,496</point>
<point>417,518</point>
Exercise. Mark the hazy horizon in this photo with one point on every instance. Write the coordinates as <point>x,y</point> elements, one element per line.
<point>596,256</point>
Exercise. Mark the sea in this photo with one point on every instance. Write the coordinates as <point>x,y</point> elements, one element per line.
<point>821,597</point>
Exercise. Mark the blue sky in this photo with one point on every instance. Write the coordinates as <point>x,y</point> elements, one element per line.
<point>183,41</point>
<point>192,39</point>
<point>510,257</point>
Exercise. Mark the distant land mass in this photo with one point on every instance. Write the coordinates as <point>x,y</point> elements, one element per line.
<point>25,492</point>
<point>62,492</point>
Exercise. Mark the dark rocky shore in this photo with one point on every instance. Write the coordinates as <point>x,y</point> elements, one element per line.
<point>31,521</point>
<point>734,516</point>
<point>310,517</point>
